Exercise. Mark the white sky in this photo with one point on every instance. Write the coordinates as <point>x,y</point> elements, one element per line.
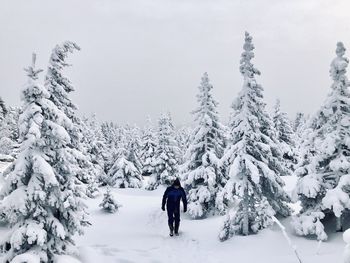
<point>141,57</point>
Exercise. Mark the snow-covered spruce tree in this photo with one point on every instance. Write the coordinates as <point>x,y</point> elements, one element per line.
<point>42,203</point>
<point>310,189</point>
<point>167,152</point>
<point>133,137</point>
<point>285,135</point>
<point>97,144</point>
<point>253,159</point>
<point>299,128</point>
<point>11,119</point>
<point>201,172</point>
<point>94,148</point>
<point>111,138</point>
<point>60,87</point>
<point>109,203</point>
<point>148,148</point>
<point>325,188</point>
<point>125,173</point>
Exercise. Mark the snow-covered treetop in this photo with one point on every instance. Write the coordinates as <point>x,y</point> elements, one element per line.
<point>33,73</point>
<point>283,126</point>
<point>3,108</point>
<point>209,132</point>
<point>243,105</point>
<point>60,54</point>
<point>166,134</point>
<point>246,67</point>
<point>57,84</point>
<point>204,94</point>
<point>339,65</point>
<point>206,102</point>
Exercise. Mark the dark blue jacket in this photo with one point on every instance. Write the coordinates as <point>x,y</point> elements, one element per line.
<point>172,197</point>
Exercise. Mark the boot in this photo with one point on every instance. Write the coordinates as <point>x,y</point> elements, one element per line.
<point>171,228</point>
<point>177,225</point>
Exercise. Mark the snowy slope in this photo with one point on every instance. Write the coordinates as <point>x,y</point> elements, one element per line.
<point>138,233</point>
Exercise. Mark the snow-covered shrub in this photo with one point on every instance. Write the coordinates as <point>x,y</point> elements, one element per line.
<point>309,223</point>
<point>109,203</point>
<point>261,217</point>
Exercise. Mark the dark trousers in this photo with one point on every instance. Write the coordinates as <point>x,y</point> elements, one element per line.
<point>173,216</point>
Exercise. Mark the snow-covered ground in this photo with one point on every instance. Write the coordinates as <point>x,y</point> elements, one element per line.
<point>138,233</point>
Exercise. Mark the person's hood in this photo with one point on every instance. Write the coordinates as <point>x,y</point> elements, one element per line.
<point>177,182</point>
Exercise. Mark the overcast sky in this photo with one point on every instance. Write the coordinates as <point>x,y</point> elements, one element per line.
<point>141,57</point>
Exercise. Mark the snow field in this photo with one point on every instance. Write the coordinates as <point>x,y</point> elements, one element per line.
<point>138,233</point>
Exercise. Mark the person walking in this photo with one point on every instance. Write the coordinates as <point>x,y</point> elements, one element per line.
<point>172,197</point>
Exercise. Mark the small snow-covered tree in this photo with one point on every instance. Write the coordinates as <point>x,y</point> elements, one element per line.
<point>109,203</point>
<point>148,148</point>
<point>285,135</point>
<point>125,173</point>
<point>324,182</point>
<point>252,158</point>
<point>167,151</point>
<point>42,202</point>
<point>202,175</point>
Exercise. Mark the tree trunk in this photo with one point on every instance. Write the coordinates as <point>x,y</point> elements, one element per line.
<point>245,228</point>
<point>339,224</point>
